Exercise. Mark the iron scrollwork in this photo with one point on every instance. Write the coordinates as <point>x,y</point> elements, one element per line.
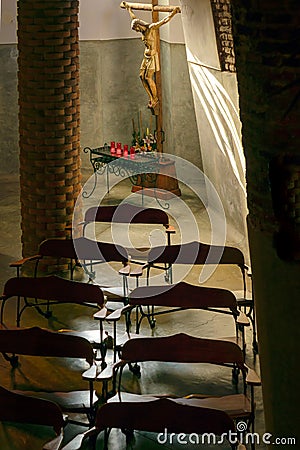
<point>142,170</point>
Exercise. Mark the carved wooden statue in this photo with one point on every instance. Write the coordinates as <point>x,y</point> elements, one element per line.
<point>150,63</point>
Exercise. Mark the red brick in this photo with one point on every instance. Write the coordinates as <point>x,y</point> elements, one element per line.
<point>48,97</point>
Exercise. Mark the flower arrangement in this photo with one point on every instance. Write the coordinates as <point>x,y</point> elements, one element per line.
<point>143,141</point>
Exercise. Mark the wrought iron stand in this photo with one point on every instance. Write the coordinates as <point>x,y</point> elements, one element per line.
<point>142,170</point>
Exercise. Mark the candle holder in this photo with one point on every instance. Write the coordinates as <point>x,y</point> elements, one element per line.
<point>132,152</point>
<point>112,148</point>
<point>119,149</point>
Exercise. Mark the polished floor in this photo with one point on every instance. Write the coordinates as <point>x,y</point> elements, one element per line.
<point>181,380</point>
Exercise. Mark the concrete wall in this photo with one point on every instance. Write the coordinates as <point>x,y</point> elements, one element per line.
<point>111,92</point>
<point>111,96</point>
<point>9,149</point>
<point>111,100</point>
<point>216,104</point>
<point>182,138</point>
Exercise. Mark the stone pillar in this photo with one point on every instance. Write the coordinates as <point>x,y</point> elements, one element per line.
<point>49,116</point>
<point>267,60</point>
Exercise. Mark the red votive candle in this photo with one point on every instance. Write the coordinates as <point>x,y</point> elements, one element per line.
<point>112,148</point>
<point>132,153</point>
<point>125,151</point>
<point>119,149</point>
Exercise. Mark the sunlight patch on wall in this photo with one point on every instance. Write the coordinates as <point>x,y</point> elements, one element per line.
<point>220,111</point>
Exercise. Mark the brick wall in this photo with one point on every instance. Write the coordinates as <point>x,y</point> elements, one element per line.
<point>49,117</point>
<point>267,53</point>
<point>221,10</point>
<point>266,37</point>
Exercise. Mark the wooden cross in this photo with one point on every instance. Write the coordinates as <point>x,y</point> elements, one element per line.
<point>159,117</point>
<point>148,7</point>
<point>155,9</point>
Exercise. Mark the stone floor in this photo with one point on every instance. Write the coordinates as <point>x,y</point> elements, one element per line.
<point>184,380</point>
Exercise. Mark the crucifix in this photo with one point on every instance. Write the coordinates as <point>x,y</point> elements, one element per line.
<point>150,68</point>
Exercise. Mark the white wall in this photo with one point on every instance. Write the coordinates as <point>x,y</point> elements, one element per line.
<point>8,29</point>
<point>110,57</point>
<point>99,20</point>
<point>199,33</point>
<point>216,103</point>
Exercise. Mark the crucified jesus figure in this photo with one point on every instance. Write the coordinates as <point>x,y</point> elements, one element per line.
<point>150,62</point>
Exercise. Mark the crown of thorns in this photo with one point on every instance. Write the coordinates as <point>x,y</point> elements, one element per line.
<point>138,22</point>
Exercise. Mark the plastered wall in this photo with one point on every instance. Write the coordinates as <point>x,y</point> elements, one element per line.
<point>110,90</point>
<point>215,97</point>
<point>200,113</point>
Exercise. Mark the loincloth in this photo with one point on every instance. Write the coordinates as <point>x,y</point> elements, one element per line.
<point>150,63</point>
